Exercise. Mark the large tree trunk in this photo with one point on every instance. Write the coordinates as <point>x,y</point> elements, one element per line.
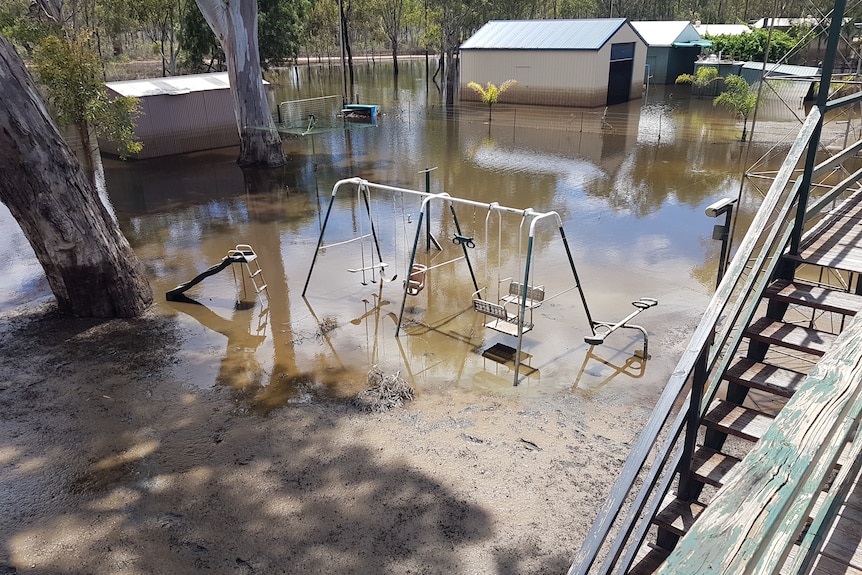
<point>234,23</point>
<point>89,265</point>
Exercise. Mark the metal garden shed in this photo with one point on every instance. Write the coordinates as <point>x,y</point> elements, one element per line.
<point>180,114</point>
<point>587,63</point>
<point>672,49</point>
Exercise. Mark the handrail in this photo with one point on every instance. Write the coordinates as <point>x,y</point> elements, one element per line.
<point>718,309</point>
<point>787,469</point>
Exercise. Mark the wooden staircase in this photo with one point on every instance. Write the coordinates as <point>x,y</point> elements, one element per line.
<point>734,417</point>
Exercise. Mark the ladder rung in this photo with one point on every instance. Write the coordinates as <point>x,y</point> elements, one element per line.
<point>260,289</point>
<point>255,274</point>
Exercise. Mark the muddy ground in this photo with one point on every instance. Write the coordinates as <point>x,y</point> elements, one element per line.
<point>109,464</point>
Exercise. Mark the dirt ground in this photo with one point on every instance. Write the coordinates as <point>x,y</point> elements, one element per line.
<point>109,464</point>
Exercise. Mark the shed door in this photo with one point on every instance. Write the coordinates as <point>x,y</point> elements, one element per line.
<point>620,76</point>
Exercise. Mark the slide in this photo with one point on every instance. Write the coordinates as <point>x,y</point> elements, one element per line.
<point>176,293</point>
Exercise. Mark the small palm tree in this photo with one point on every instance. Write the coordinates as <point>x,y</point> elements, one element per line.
<point>491,93</point>
<point>738,97</point>
<point>703,77</point>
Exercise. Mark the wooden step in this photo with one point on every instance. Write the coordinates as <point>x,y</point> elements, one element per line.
<point>737,420</point>
<point>648,560</point>
<point>790,336</point>
<point>677,516</point>
<point>710,466</point>
<point>765,377</point>
<point>814,297</point>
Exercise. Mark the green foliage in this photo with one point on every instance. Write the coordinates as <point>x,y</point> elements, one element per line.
<point>22,27</point>
<point>281,27</point>
<point>491,93</point>
<point>739,98</point>
<point>201,51</point>
<point>702,77</point>
<point>69,69</point>
<point>752,46</point>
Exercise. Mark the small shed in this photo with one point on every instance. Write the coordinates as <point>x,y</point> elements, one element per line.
<point>587,63</point>
<point>672,49</point>
<point>180,114</point>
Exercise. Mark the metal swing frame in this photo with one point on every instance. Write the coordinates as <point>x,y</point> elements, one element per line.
<point>526,297</point>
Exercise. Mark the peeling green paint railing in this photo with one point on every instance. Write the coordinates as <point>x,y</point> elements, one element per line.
<point>756,518</point>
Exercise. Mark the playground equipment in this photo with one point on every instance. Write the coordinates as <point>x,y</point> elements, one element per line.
<point>511,311</point>
<point>242,254</point>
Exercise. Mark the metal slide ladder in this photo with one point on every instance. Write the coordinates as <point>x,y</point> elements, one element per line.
<point>243,253</point>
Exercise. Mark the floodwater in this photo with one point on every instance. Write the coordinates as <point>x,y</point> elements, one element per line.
<point>630,186</point>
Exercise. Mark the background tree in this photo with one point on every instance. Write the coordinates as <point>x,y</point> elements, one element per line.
<point>751,46</point>
<point>201,50</point>
<point>739,98</point>
<point>234,23</point>
<point>69,69</point>
<point>281,27</point>
<point>161,20</point>
<point>392,17</point>
<point>89,265</point>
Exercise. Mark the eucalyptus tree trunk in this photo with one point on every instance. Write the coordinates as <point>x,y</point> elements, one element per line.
<point>234,23</point>
<point>89,265</point>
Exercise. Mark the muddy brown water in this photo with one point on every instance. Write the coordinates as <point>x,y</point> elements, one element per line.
<point>631,195</point>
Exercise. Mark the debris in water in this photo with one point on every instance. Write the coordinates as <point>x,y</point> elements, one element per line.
<point>384,392</point>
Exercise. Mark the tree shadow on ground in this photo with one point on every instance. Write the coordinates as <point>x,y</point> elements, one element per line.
<point>112,465</point>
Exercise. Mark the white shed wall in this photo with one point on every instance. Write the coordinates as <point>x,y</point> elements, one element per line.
<point>551,77</point>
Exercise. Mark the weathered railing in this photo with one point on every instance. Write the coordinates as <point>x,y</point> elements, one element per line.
<point>776,228</point>
<point>753,523</point>
<point>706,357</point>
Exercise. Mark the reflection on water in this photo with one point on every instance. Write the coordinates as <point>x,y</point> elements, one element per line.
<point>630,187</point>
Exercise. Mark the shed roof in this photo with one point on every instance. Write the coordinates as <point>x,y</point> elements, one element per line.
<point>171,85</point>
<point>721,29</point>
<point>782,69</point>
<point>666,33</point>
<point>544,34</point>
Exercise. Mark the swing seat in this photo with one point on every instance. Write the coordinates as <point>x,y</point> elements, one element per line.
<point>381,265</point>
<point>535,295</point>
<point>416,282</point>
<point>503,321</point>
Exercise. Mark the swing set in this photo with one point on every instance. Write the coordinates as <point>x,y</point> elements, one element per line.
<point>511,310</point>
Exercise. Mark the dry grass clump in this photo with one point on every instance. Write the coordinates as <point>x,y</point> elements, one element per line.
<point>384,392</point>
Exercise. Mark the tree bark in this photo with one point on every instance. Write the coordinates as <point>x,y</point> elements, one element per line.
<point>90,266</point>
<point>234,23</point>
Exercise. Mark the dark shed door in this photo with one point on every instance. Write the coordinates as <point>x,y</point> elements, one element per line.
<point>620,76</point>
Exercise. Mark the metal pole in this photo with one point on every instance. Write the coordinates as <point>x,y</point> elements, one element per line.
<point>523,307</point>
<point>319,243</point>
<point>822,97</point>
<point>466,255</point>
<point>409,271</point>
<point>725,235</point>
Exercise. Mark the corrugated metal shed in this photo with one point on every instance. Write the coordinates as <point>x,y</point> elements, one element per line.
<point>666,33</point>
<point>544,34</point>
<point>585,63</point>
<point>751,70</point>
<point>780,97</point>
<point>171,85</point>
<point>672,48</point>
<point>180,114</point>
